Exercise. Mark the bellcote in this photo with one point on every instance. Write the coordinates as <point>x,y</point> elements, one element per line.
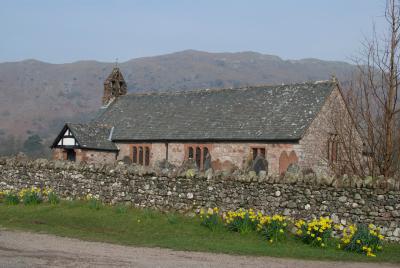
<point>114,86</point>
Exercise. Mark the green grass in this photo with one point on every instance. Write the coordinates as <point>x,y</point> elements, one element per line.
<point>128,226</point>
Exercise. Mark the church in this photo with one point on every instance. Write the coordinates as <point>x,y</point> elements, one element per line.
<point>222,129</point>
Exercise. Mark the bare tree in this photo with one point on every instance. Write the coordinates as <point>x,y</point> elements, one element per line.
<point>373,97</point>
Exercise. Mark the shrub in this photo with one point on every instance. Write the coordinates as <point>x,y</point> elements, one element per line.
<point>273,228</point>
<point>31,196</point>
<point>210,219</point>
<point>317,232</point>
<point>362,239</point>
<point>242,221</point>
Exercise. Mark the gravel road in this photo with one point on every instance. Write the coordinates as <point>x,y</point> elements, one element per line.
<point>24,249</point>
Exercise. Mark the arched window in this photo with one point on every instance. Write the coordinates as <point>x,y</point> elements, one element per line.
<point>205,152</point>
<point>200,154</point>
<point>134,154</point>
<point>198,157</point>
<point>258,151</point>
<point>140,155</point>
<point>146,156</point>
<point>190,155</point>
<point>333,148</point>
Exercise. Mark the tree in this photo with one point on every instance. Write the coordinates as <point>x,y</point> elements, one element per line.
<point>33,146</point>
<point>373,97</point>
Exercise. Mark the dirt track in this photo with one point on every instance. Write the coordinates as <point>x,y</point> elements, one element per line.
<point>23,249</point>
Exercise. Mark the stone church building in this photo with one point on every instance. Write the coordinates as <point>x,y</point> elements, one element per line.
<point>218,128</point>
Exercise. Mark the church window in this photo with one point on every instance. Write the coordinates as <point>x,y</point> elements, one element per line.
<point>146,156</point>
<point>190,155</point>
<point>333,148</point>
<point>258,151</point>
<point>197,152</point>
<point>141,154</point>
<point>134,154</point>
<point>198,157</point>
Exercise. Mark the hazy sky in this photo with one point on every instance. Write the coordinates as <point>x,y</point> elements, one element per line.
<point>67,30</point>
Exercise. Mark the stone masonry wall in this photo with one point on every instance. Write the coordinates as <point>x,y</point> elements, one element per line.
<point>225,155</point>
<point>345,199</point>
<point>313,149</point>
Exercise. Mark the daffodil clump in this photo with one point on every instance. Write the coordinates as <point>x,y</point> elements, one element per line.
<point>29,196</point>
<point>317,232</point>
<point>210,218</point>
<point>242,220</point>
<point>273,228</point>
<point>9,197</point>
<point>362,239</point>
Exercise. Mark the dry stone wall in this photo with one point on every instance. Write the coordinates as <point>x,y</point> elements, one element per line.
<point>345,200</point>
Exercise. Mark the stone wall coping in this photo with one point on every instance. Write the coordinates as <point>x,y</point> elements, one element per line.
<point>380,183</point>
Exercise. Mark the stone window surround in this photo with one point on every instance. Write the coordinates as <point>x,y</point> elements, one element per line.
<point>146,158</point>
<point>332,148</point>
<point>201,146</point>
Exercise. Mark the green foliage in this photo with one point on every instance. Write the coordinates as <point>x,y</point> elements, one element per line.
<point>242,221</point>
<point>317,232</point>
<point>31,198</point>
<point>362,239</point>
<point>121,209</point>
<point>75,219</point>
<point>53,198</point>
<point>210,219</point>
<point>172,218</point>
<point>93,202</point>
<point>33,146</point>
<point>149,213</point>
<point>273,228</point>
<point>10,197</point>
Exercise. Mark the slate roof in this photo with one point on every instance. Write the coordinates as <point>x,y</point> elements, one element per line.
<point>263,113</point>
<point>91,136</point>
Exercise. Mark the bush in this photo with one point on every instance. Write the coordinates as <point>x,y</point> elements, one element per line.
<point>210,219</point>
<point>317,232</point>
<point>362,239</point>
<point>273,228</point>
<point>242,221</point>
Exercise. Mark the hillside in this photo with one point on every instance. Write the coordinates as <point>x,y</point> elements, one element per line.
<point>38,97</point>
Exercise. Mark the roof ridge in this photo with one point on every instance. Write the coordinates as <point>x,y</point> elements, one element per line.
<point>201,90</point>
